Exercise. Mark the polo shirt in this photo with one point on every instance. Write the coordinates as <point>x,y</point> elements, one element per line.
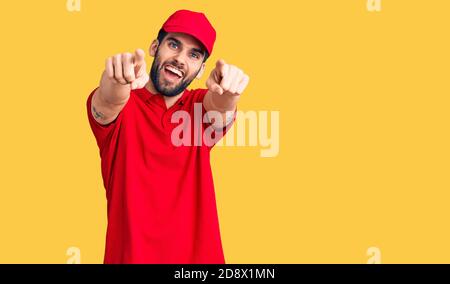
<point>161,203</point>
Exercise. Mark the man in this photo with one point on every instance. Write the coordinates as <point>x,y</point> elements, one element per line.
<point>160,194</point>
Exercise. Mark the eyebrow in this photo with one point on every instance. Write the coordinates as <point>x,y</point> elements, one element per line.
<point>198,50</point>
<point>175,40</point>
<point>201,51</point>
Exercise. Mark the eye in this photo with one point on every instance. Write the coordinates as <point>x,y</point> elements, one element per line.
<point>173,45</point>
<point>195,55</point>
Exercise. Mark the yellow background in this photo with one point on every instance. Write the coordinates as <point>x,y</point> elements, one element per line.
<point>364,138</point>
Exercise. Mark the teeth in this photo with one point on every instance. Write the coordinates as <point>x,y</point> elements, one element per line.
<point>175,70</point>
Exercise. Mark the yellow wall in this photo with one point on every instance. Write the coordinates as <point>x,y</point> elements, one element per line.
<point>363,101</point>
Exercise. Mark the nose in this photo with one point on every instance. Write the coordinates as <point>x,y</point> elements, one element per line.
<point>179,59</point>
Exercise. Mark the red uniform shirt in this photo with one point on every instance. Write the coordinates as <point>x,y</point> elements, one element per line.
<point>160,197</point>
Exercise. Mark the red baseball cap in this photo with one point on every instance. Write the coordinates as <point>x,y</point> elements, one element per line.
<point>192,23</point>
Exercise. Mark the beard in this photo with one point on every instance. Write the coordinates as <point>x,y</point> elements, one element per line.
<point>163,86</point>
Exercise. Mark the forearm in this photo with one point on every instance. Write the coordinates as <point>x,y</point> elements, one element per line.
<point>108,100</point>
<point>222,103</point>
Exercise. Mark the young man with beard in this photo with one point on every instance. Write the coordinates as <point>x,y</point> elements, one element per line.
<point>160,197</point>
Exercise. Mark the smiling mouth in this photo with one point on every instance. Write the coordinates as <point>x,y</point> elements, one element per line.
<point>173,73</point>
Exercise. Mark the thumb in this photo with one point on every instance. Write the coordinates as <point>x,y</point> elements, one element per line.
<point>214,87</point>
<point>140,82</point>
<point>217,89</point>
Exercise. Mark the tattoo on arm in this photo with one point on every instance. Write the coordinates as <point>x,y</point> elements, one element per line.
<point>97,114</point>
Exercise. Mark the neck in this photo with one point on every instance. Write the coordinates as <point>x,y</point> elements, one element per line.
<point>170,101</point>
<point>150,87</point>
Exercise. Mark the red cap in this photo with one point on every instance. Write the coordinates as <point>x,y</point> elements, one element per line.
<point>192,23</point>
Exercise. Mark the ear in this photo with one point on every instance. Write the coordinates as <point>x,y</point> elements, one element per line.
<point>153,48</point>
<point>202,70</point>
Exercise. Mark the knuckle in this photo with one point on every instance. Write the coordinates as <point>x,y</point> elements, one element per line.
<point>126,55</point>
<point>127,77</point>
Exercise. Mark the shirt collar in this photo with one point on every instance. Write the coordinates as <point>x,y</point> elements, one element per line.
<point>148,96</point>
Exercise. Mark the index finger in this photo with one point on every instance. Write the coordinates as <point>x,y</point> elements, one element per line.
<point>139,57</point>
<point>222,68</point>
